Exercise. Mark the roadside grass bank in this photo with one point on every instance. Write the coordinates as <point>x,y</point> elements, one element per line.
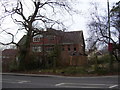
<point>71,71</point>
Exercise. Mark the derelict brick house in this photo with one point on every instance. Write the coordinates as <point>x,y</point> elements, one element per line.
<point>74,48</point>
<point>8,56</point>
<point>71,43</point>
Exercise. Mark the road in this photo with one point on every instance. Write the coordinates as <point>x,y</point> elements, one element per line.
<point>10,81</point>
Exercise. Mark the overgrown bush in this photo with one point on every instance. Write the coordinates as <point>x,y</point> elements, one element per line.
<point>13,66</point>
<point>53,57</point>
<point>104,59</point>
<point>31,63</point>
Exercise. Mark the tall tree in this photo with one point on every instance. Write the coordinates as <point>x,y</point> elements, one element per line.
<point>115,16</point>
<point>32,16</point>
<point>115,19</point>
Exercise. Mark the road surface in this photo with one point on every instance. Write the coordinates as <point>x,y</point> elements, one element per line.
<point>11,81</point>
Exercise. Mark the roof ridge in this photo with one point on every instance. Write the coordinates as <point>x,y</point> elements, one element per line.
<point>73,31</point>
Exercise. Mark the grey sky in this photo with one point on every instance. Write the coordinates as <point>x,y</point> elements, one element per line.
<point>79,22</point>
<point>84,6</point>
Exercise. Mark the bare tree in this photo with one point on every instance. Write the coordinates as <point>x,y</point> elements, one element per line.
<point>115,16</point>
<point>98,29</point>
<point>115,19</point>
<point>33,16</point>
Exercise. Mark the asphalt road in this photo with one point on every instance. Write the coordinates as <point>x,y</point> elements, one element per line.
<point>10,81</point>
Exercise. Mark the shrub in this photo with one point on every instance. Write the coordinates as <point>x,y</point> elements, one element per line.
<point>74,70</point>
<point>13,66</point>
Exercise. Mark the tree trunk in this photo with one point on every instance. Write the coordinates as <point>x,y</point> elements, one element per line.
<point>25,52</point>
<point>110,62</point>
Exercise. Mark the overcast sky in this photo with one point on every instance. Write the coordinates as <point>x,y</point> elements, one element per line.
<point>79,22</point>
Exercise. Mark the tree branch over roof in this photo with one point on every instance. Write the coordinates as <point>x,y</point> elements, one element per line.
<point>17,11</point>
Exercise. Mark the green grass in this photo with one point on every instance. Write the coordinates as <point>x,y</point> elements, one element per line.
<point>65,70</point>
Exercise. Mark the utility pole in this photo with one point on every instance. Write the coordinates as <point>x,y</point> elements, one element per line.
<point>119,32</point>
<point>108,20</point>
<point>110,44</point>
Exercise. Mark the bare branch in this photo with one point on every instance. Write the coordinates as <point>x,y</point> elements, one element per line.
<point>12,42</point>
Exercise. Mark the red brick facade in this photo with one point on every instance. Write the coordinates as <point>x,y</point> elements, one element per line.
<point>8,55</point>
<point>71,43</point>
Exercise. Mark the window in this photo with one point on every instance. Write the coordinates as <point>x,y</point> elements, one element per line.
<point>37,39</point>
<point>50,37</point>
<point>49,48</point>
<point>74,48</point>
<point>3,57</point>
<point>63,49</point>
<point>68,48</point>
<point>7,57</point>
<point>36,49</point>
<point>39,49</point>
<point>74,53</point>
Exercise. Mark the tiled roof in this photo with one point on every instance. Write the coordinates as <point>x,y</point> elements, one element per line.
<point>66,37</point>
<point>22,40</point>
<point>54,32</point>
<point>73,37</point>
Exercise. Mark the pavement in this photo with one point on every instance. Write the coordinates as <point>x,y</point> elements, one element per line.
<point>47,75</point>
<point>18,80</point>
<point>31,75</point>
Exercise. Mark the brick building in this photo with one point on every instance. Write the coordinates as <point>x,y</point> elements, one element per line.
<point>8,56</point>
<point>71,44</point>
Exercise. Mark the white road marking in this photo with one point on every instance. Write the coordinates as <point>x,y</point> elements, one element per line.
<point>77,84</point>
<point>15,81</point>
<point>59,84</point>
<point>23,81</point>
<point>72,85</point>
<point>113,86</point>
<point>80,87</point>
<point>85,85</point>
